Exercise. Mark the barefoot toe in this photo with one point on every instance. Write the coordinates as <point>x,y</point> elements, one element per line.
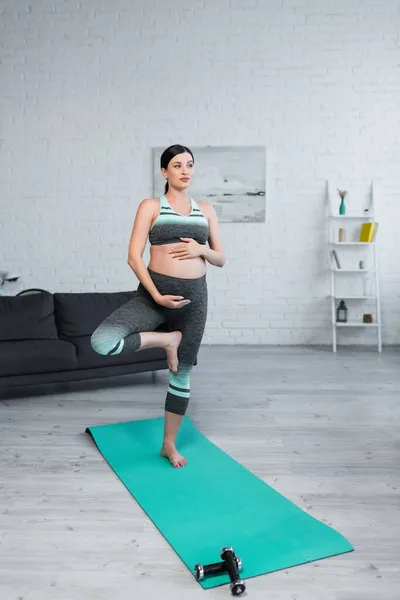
<point>176,459</point>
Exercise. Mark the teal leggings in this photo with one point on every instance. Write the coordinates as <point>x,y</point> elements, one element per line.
<point>119,332</point>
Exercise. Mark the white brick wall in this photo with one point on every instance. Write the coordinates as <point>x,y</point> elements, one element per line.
<point>88,87</point>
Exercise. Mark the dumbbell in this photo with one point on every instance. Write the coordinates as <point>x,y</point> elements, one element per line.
<point>230,559</point>
<point>217,568</point>
<point>231,563</point>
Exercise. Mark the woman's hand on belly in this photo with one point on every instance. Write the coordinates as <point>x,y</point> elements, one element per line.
<point>188,249</point>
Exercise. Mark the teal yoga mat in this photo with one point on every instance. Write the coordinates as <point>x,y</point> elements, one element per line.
<point>212,502</point>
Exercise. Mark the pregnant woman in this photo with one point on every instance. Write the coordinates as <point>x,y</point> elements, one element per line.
<point>184,235</point>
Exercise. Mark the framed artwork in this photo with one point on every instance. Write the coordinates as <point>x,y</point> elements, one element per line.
<point>232,178</point>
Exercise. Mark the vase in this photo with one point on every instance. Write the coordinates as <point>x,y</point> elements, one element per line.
<point>342,208</point>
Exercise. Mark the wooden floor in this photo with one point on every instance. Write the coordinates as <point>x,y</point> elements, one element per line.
<point>322,429</point>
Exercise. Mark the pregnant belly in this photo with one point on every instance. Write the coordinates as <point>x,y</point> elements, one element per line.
<point>163,262</point>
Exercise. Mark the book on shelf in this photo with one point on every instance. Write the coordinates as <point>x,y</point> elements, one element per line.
<point>368,231</point>
<point>335,256</point>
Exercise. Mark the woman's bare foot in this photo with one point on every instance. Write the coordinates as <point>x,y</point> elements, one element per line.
<point>169,451</point>
<point>171,348</point>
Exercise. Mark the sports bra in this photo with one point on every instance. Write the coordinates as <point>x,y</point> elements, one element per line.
<point>170,226</point>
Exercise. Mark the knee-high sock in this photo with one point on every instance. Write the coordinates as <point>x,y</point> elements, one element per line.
<point>178,393</point>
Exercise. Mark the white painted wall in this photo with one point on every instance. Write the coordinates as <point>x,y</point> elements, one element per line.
<point>88,88</point>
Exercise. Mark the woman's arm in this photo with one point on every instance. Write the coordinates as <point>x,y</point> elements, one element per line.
<point>215,254</point>
<point>137,244</point>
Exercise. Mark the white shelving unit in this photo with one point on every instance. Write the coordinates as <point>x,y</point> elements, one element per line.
<point>356,220</point>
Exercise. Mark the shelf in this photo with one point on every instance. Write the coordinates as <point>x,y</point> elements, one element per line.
<point>352,243</point>
<point>353,270</point>
<point>354,297</point>
<point>365,299</point>
<point>356,324</point>
<point>360,216</point>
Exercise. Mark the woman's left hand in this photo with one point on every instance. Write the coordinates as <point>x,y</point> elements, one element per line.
<point>189,249</point>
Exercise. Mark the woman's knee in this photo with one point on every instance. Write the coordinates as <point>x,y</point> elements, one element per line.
<point>106,342</point>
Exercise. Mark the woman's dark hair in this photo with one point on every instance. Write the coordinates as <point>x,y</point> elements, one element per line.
<point>169,153</point>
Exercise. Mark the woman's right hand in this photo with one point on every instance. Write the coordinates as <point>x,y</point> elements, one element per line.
<point>171,301</point>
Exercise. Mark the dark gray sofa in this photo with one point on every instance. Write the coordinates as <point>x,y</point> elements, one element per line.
<point>45,338</point>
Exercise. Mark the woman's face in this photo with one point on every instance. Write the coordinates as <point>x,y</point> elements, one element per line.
<point>180,171</point>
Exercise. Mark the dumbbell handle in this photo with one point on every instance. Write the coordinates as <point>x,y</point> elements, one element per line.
<point>201,571</point>
<point>214,568</point>
<point>231,565</point>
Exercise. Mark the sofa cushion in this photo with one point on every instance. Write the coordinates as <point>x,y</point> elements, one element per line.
<point>87,358</point>
<point>36,356</point>
<point>79,313</point>
<point>29,317</point>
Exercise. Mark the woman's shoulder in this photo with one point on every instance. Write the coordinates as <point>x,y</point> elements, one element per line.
<point>206,206</point>
<point>149,203</point>
<point>203,204</point>
<point>148,207</point>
